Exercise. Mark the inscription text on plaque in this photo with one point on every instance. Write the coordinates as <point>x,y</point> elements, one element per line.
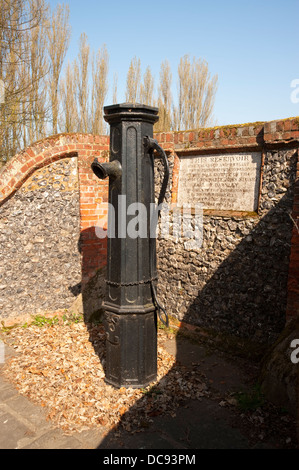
<point>221,182</point>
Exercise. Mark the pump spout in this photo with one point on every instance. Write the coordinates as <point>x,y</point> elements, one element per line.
<point>102,170</point>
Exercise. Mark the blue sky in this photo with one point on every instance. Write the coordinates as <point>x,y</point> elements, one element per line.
<point>252,46</point>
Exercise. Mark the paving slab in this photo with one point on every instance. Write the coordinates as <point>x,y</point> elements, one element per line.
<point>7,392</point>
<point>197,425</point>
<point>12,430</point>
<point>54,439</point>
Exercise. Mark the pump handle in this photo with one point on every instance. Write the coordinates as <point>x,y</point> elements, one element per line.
<point>151,145</point>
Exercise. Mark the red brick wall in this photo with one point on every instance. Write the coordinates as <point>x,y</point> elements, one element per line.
<point>93,196</point>
<point>94,193</point>
<point>231,137</point>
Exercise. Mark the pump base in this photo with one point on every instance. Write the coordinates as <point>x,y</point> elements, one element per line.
<point>131,349</point>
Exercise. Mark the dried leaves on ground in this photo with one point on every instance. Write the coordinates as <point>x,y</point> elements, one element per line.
<point>60,366</point>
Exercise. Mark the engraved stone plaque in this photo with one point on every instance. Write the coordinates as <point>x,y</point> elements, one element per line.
<point>221,182</point>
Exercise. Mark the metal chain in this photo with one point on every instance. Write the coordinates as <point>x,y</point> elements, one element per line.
<point>128,284</point>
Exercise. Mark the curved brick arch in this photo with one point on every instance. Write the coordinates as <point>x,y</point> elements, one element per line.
<point>47,151</point>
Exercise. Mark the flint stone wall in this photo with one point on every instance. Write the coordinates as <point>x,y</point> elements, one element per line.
<point>39,234</point>
<point>237,281</point>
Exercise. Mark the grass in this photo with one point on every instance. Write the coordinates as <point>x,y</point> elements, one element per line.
<point>152,391</point>
<point>250,400</point>
<point>167,329</point>
<point>6,329</point>
<point>43,320</point>
<point>73,317</point>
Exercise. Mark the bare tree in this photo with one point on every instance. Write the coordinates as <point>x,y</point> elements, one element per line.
<point>164,98</point>
<point>99,90</point>
<point>147,88</point>
<point>81,67</point>
<point>58,34</point>
<point>197,91</point>
<point>83,89</point>
<point>36,70</point>
<point>133,81</point>
<point>115,81</point>
<point>39,101</point>
<point>68,117</point>
<point>20,23</point>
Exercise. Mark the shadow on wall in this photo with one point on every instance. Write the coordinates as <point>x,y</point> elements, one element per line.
<point>250,286</point>
<point>91,289</point>
<point>247,294</point>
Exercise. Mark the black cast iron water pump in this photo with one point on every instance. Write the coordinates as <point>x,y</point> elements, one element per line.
<point>131,305</point>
